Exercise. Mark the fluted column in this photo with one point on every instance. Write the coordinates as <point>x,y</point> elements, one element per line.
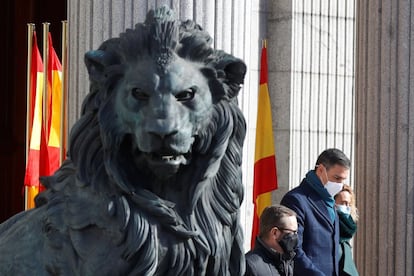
<point>279,36</point>
<point>384,162</point>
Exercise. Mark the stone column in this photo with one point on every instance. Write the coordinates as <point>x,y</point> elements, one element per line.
<point>279,45</point>
<point>384,163</point>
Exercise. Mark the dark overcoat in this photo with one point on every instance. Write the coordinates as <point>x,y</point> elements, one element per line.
<point>262,261</point>
<point>318,252</point>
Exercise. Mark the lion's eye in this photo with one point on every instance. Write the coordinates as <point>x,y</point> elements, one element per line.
<point>139,94</point>
<point>186,95</point>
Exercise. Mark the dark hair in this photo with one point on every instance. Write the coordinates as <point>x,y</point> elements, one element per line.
<point>272,217</point>
<point>331,157</point>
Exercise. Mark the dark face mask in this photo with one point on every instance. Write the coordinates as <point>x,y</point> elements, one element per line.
<point>289,242</point>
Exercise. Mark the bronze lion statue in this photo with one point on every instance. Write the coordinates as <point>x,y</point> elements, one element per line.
<point>152,183</point>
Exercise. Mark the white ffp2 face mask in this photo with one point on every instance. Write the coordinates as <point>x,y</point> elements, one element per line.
<point>333,187</point>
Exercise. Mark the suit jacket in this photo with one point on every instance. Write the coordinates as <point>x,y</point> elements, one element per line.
<point>317,252</point>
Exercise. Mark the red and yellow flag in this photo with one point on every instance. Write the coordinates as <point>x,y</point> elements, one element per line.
<point>55,94</point>
<point>265,176</point>
<point>37,161</point>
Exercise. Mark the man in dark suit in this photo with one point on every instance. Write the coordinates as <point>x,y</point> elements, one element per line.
<point>318,226</point>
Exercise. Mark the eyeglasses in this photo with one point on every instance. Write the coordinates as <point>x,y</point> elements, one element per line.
<point>288,230</point>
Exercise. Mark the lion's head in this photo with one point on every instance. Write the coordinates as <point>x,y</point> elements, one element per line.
<point>155,91</point>
<point>160,137</point>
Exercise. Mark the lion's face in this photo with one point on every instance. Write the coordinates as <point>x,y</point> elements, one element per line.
<point>158,91</point>
<point>163,112</point>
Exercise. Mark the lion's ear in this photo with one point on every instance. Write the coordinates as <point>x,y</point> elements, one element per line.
<point>234,70</point>
<point>96,63</point>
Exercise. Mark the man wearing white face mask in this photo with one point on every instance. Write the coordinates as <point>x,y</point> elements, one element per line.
<point>318,222</point>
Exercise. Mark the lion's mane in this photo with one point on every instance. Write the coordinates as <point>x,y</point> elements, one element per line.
<point>100,191</point>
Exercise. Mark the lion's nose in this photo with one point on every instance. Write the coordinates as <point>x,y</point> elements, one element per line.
<point>162,128</point>
<point>163,134</point>
<point>167,117</point>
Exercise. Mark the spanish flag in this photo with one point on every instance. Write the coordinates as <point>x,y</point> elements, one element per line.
<point>37,159</point>
<point>265,176</point>
<point>55,94</point>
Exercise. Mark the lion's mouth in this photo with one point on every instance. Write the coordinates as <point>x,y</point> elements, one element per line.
<point>168,159</point>
<point>165,164</point>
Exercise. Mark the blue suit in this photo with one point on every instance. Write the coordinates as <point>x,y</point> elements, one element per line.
<point>318,252</point>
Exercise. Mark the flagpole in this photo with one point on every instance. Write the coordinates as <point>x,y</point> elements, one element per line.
<point>30,31</point>
<point>63,105</point>
<point>45,79</point>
